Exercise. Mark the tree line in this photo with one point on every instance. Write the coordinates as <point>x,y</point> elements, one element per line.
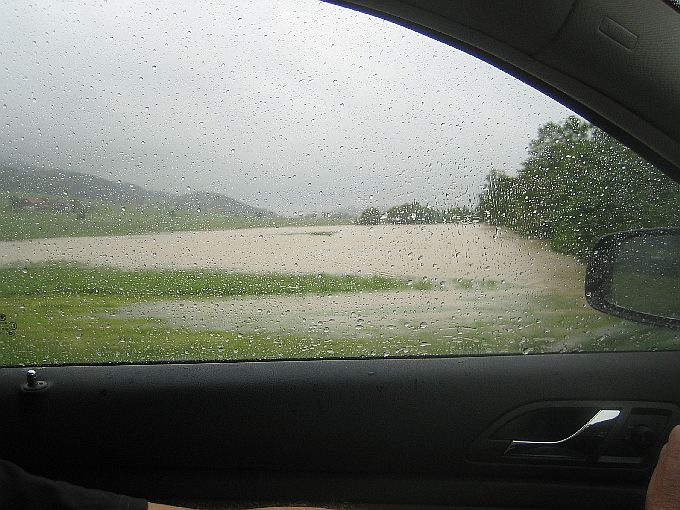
<point>577,185</point>
<point>415,213</point>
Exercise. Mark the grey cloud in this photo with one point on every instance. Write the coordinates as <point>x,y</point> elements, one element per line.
<point>293,106</point>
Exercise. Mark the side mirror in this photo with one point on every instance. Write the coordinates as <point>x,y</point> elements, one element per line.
<point>636,275</point>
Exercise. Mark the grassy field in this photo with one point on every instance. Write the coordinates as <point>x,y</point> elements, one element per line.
<point>60,279</point>
<point>88,329</point>
<point>117,220</point>
<point>71,314</point>
<point>68,313</point>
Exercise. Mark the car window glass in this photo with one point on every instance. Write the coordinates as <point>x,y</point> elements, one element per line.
<point>275,180</point>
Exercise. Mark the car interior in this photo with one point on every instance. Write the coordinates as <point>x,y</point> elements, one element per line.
<point>509,430</point>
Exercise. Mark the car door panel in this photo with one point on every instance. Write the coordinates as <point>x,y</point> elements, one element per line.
<point>365,431</point>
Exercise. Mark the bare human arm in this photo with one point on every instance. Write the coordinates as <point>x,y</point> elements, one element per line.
<point>664,487</point>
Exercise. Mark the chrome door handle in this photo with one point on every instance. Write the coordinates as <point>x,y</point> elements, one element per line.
<point>577,445</point>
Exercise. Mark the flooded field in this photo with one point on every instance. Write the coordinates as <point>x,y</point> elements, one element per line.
<point>439,252</point>
<point>479,272</point>
<point>467,289</point>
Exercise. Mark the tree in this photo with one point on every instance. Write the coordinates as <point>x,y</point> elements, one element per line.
<point>578,184</point>
<point>412,213</point>
<point>370,216</point>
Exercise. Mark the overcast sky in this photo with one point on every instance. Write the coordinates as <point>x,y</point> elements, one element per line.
<point>295,106</point>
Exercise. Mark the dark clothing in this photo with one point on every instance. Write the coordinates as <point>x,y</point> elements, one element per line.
<point>20,490</point>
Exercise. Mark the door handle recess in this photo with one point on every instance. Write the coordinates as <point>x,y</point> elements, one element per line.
<point>576,446</point>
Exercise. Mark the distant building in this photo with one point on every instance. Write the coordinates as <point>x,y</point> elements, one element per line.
<point>35,203</point>
<point>31,203</point>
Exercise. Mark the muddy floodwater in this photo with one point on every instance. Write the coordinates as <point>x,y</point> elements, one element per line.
<point>481,274</point>
<point>430,251</point>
